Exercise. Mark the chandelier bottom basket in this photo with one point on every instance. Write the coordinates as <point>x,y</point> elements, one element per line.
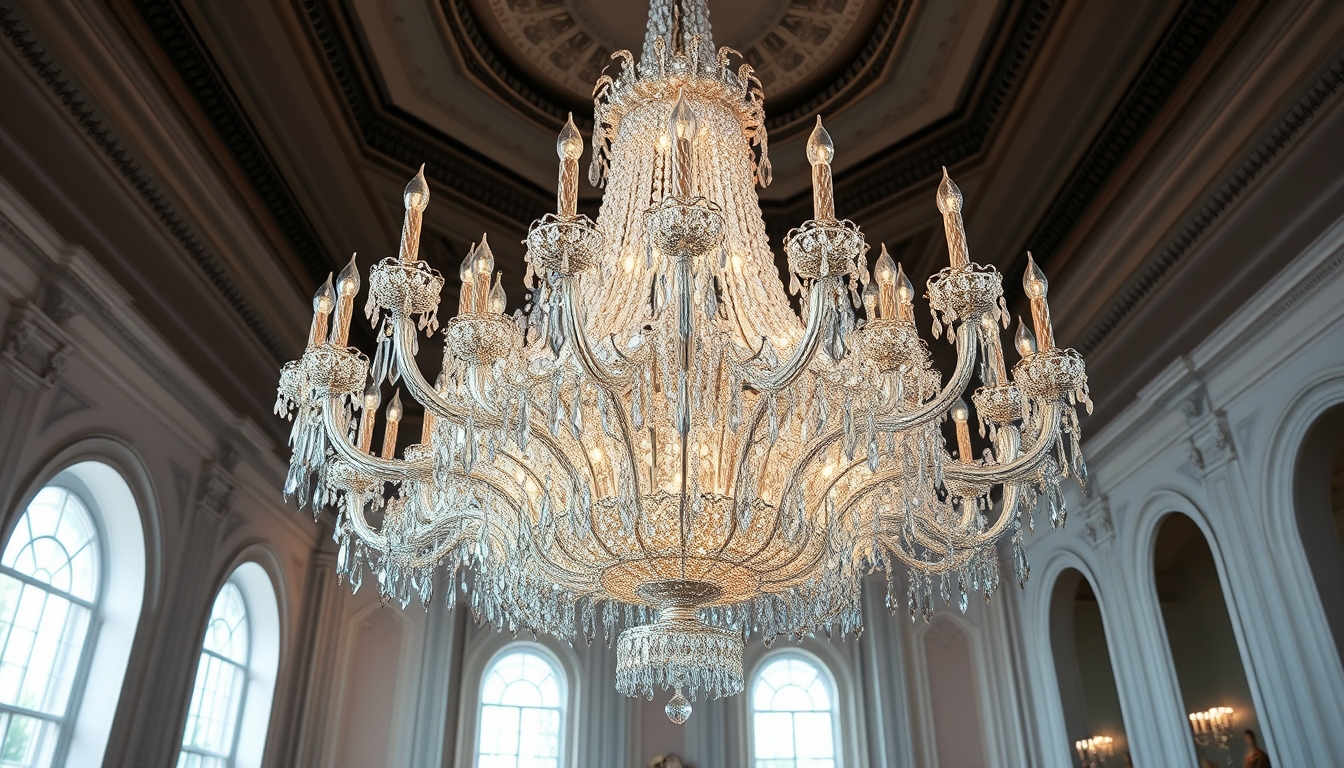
<point>678,650</point>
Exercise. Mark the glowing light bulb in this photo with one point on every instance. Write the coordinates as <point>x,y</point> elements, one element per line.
<point>683,123</point>
<point>394,407</point>
<point>885,269</point>
<point>485,259</point>
<point>498,301</point>
<point>1025,340</point>
<point>1033,280</point>
<point>569,144</point>
<point>372,398</point>
<point>325,298</point>
<point>905,291</point>
<point>949,197</point>
<point>465,271</point>
<point>960,413</point>
<point>820,148</point>
<point>348,280</point>
<point>870,298</point>
<point>416,196</point>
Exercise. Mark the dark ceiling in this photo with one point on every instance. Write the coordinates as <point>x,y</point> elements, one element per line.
<point>1049,114</point>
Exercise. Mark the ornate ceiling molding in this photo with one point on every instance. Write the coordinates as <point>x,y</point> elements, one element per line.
<point>1314,98</point>
<point>62,86</point>
<point>499,77</point>
<point>181,43</point>
<point>910,164</point>
<point>1182,43</point>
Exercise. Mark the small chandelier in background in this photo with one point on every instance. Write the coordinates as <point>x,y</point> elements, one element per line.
<point>657,449</point>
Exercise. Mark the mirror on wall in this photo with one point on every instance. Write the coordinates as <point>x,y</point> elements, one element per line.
<point>1087,688</point>
<point>1203,645</point>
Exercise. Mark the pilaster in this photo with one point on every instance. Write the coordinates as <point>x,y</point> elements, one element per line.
<point>32,356</point>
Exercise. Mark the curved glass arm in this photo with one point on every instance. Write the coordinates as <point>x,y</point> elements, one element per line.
<point>997,474</point>
<point>820,312</point>
<point>337,426</point>
<point>935,408</point>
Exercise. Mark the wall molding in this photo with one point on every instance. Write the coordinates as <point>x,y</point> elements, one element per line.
<point>32,51</point>
<point>1262,156</point>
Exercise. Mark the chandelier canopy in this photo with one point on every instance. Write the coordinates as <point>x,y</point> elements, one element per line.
<point>656,448</point>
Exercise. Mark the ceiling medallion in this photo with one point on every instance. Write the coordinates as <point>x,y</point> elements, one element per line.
<point>657,450</point>
<point>567,45</point>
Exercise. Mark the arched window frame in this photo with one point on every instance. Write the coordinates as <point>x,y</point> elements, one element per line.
<point>563,674</point>
<point>115,487</point>
<point>66,720</point>
<point>261,607</point>
<point>840,737</point>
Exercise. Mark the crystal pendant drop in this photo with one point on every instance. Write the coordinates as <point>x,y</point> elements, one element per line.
<point>678,708</point>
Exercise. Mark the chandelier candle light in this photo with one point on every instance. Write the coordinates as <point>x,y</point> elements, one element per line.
<point>656,449</point>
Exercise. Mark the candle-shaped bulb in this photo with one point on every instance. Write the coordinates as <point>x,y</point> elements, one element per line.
<point>885,269</point>
<point>323,301</point>
<point>325,298</point>
<point>394,412</point>
<point>905,290</point>
<point>569,144</point>
<point>347,285</point>
<point>347,282</point>
<point>372,398</point>
<point>683,124</point>
<point>498,301</point>
<point>464,272</point>
<point>960,413</point>
<point>485,260</point>
<point>416,195</point>
<point>870,300</point>
<point>820,148</point>
<point>1025,340</point>
<point>1033,280</point>
<point>949,195</point>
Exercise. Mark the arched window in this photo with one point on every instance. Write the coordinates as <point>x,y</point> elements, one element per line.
<point>235,677</point>
<point>522,711</point>
<point>49,590</point>
<point>793,715</point>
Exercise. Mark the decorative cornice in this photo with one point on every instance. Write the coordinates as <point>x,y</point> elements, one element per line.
<point>1316,96</point>
<point>484,64</point>
<point>97,129</point>
<point>405,140</point>
<point>1184,40</point>
<point>920,158</point>
<point>177,36</point>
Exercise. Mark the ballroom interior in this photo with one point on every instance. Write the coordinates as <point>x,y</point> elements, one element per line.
<point>671,384</point>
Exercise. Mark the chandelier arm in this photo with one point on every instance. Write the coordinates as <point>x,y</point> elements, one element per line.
<point>821,311</point>
<point>403,341</point>
<point>425,394</point>
<point>1012,498</point>
<point>360,526</point>
<point>1028,462</point>
<point>337,423</point>
<point>609,382</point>
<point>961,378</point>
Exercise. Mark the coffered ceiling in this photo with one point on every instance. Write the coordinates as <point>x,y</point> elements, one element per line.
<point>1059,120</point>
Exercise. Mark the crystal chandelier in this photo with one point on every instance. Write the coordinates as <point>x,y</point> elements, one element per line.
<point>656,448</point>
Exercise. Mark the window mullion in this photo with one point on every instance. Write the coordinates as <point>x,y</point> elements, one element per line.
<point>44,586</point>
